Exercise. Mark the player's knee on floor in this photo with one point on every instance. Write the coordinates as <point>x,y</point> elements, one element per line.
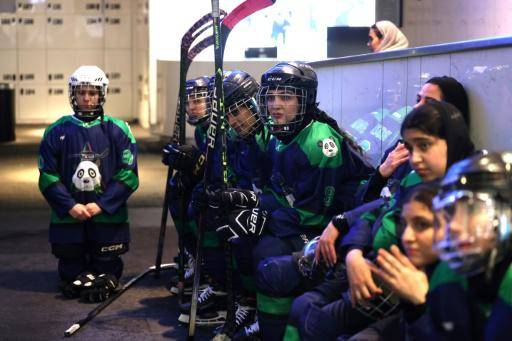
<point>277,276</point>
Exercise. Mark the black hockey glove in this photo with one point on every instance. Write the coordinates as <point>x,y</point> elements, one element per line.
<point>186,158</point>
<point>234,199</point>
<point>250,222</point>
<point>100,289</point>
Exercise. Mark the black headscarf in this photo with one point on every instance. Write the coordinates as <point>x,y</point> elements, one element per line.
<point>454,93</point>
<point>443,120</point>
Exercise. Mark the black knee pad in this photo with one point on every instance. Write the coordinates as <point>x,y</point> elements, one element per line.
<point>68,250</point>
<point>105,250</point>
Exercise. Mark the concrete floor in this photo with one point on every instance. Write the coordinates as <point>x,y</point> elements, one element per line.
<point>31,307</point>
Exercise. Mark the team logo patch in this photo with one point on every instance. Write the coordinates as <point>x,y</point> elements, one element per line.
<point>329,148</point>
<point>127,157</point>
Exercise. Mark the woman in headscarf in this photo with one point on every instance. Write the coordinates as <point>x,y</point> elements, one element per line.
<point>385,36</point>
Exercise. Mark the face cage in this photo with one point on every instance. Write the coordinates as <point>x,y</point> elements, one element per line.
<point>199,120</point>
<point>466,256</point>
<point>290,91</point>
<point>93,113</point>
<point>242,130</point>
<point>381,305</point>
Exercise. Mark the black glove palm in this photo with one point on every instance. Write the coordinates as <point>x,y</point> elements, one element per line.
<point>234,198</point>
<point>186,158</point>
<point>100,288</point>
<point>250,222</point>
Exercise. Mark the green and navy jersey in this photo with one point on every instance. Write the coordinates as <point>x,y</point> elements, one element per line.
<point>380,228</point>
<point>83,162</point>
<point>313,177</point>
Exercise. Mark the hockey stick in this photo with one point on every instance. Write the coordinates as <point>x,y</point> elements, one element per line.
<point>179,132</point>
<point>80,323</point>
<point>217,120</point>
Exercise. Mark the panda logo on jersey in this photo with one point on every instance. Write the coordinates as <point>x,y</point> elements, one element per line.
<point>329,147</point>
<point>87,177</point>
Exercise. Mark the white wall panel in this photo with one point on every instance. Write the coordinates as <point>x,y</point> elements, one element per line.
<point>57,102</point>
<point>30,6</point>
<point>89,7</point>
<point>32,66</point>
<point>118,64</point>
<point>7,31</point>
<point>89,32</point>
<point>118,31</point>
<point>59,65</point>
<point>31,31</point>
<point>60,31</point>
<point>58,7</point>
<point>90,57</point>
<point>432,66</point>
<point>8,66</point>
<point>32,104</point>
<point>119,100</point>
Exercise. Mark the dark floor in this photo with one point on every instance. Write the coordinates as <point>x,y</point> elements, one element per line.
<point>31,307</point>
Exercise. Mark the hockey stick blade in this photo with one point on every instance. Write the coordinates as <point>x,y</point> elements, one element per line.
<point>93,313</point>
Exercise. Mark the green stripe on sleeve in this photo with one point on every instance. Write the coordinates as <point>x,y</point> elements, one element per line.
<point>128,177</point>
<point>47,179</point>
<point>505,291</point>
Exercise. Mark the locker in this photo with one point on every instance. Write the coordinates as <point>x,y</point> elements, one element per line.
<point>118,65</point>
<point>30,6</point>
<point>119,100</point>
<point>116,6</point>
<point>60,32</point>
<point>90,57</point>
<point>32,104</point>
<point>58,7</point>
<point>31,66</point>
<point>59,65</point>
<point>8,65</point>
<point>89,32</point>
<point>141,31</point>
<point>7,31</point>
<point>31,30</point>
<point>58,102</point>
<point>118,31</point>
<point>90,7</point>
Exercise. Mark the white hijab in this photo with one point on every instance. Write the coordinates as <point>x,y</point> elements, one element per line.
<point>393,38</point>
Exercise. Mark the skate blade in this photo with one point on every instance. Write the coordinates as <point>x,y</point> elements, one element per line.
<point>219,320</point>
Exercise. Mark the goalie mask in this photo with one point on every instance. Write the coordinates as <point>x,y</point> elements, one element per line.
<point>242,111</point>
<point>87,89</point>
<point>287,94</point>
<point>198,101</point>
<point>473,210</point>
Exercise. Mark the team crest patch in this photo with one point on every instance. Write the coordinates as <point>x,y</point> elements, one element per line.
<point>329,148</point>
<point>127,157</point>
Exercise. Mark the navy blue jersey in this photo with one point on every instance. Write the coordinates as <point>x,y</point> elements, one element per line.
<point>314,177</point>
<point>85,162</point>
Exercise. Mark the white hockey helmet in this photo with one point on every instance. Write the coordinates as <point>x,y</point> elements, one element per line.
<point>88,76</point>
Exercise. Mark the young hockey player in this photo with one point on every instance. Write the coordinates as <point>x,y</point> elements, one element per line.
<point>436,137</point>
<point>246,141</point>
<point>188,160</point>
<point>315,172</point>
<point>88,169</point>
<point>474,210</point>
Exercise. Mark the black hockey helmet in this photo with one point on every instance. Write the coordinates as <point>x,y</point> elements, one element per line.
<point>240,89</point>
<point>473,209</point>
<point>198,101</point>
<point>296,79</point>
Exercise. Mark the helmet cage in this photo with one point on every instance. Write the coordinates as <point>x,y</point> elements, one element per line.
<point>199,96</point>
<point>267,93</point>
<point>482,224</point>
<point>89,113</point>
<point>381,305</point>
<point>251,125</point>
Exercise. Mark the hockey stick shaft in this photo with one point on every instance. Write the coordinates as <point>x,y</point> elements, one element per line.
<point>93,313</point>
<point>217,122</point>
<point>179,132</point>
